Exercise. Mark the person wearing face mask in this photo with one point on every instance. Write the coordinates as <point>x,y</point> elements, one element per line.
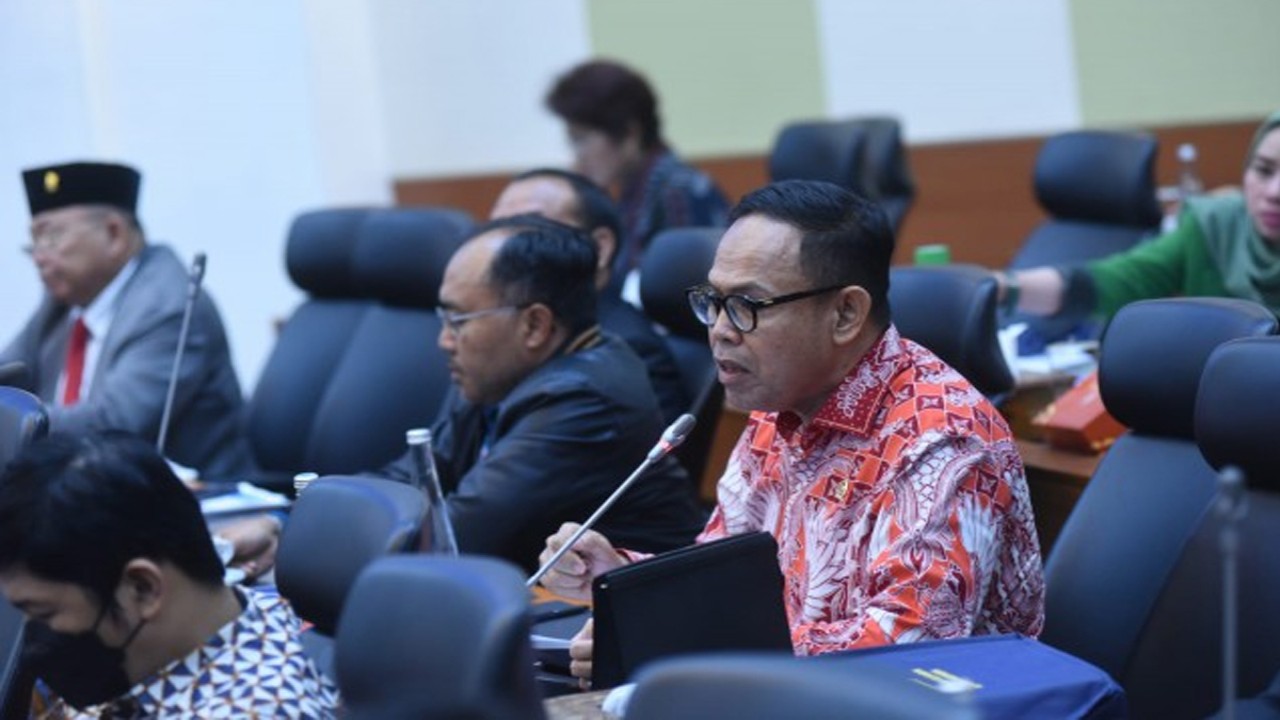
<point>1225,245</point>
<point>107,555</point>
<point>612,117</point>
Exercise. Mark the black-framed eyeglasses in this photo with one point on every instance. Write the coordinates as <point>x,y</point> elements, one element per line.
<point>454,321</point>
<point>741,309</point>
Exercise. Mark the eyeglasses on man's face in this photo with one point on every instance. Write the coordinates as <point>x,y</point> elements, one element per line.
<point>741,309</point>
<point>454,321</point>
<point>47,241</point>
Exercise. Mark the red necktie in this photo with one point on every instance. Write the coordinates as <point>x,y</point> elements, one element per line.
<point>75,362</point>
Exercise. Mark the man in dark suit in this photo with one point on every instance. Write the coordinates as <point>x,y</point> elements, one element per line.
<point>576,201</point>
<point>100,347</point>
<point>546,418</point>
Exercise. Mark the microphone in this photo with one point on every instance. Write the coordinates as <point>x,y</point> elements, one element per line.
<point>1232,508</point>
<point>194,278</point>
<point>670,440</point>
<point>13,373</point>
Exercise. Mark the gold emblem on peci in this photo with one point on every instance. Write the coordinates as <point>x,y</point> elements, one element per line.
<point>51,182</point>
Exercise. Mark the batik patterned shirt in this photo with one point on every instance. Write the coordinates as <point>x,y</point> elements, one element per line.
<point>254,667</point>
<point>900,509</point>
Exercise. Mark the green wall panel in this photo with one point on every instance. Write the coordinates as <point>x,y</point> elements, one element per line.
<point>728,73</point>
<point>1175,61</point>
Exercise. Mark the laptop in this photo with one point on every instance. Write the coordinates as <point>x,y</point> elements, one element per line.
<point>721,595</point>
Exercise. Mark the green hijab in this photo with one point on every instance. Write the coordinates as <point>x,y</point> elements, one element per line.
<point>1250,266</point>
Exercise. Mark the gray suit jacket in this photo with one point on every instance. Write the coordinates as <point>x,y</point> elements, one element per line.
<point>132,374</point>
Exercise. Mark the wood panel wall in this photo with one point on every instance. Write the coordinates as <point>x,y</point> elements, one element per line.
<point>974,196</point>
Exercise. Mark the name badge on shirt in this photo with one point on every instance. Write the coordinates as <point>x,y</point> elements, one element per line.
<point>850,475</point>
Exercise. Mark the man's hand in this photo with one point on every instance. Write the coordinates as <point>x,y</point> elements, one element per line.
<point>255,541</point>
<point>592,555</point>
<point>580,650</point>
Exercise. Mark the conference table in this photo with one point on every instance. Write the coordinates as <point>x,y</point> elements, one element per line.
<point>1006,677</point>
<point>578,706</point>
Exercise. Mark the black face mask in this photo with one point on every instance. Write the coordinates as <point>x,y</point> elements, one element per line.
<point>77,666</point>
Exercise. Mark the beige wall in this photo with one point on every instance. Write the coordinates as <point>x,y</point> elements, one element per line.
<point>1143,62</point>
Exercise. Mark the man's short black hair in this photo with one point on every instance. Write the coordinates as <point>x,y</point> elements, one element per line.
<point>77,509</point>
<point>595,208</point>
<point>845,239</point>
<point>548,262</point>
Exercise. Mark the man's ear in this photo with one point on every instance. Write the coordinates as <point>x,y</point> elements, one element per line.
<point>145,586</point>
<point>537,327</point>
<point>119,235</point>
<point>606,247</point>
<point>852,313</point>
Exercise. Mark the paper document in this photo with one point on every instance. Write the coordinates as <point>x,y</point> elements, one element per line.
<point>245,498</point>
<point>546,642</point>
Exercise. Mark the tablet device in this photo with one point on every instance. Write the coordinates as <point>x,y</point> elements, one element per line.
<point>721,595</point>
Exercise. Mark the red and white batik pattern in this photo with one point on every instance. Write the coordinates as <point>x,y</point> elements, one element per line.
<point>901,509</point>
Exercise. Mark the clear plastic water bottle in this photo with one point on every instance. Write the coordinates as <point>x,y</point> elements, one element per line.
<point>437,533</point>
<point>1189,183</point>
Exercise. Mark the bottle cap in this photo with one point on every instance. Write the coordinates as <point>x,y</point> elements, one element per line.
<point>302,480</point>
<point>417,436</point>
<point>1187,152</point>
<point>936,254</point>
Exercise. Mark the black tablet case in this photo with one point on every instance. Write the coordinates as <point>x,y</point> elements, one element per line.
<point>721,595</point>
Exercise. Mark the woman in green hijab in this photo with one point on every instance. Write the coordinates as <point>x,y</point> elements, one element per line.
<point>1225,245</point>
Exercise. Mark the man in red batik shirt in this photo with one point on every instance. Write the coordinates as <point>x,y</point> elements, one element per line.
<point>893,487</point>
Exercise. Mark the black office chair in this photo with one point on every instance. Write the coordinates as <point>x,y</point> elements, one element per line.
<point>1098,188</point>
<point>434,637</point>
<point>357,363</point>
<point>675,260</point>
<point>22,420</point>
<point>1236,418</point>
<point>827,150</point>
<point>1108,579</point>
<point>761,686</point>
<point>337,527</point>
<point>952,310</point>
<point>864,154</point>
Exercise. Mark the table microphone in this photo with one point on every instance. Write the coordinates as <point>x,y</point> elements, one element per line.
<point>194,278</point>
<point>670,440</point>
<point>1232,508</point>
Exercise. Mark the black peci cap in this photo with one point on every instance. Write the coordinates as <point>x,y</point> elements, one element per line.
<point>81,183</point>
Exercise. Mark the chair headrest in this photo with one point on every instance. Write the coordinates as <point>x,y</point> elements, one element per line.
<point>885,158</point>
<point>425,634</point>
<point>393,255</point>
<point>1099,176</point>
<point>23,419</point>
<point>1238,410</point>
<point>820,150</point>
<point>675,260</point>
<point>1154,352</point>
<point>951,310</point>
<point>319,247</point>
<point>338,526</point>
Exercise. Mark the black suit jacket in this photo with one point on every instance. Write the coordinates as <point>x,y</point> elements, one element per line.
<point>636,329</point>
<point>557,446</point>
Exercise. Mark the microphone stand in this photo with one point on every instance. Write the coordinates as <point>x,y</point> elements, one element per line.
<point>193,289</point>
<point>671,439</point>
<point>1232,507</point>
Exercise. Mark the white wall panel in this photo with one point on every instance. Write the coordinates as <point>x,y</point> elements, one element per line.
<point>951,70</point>
<point>464,82</point>
<point>240,114</point>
